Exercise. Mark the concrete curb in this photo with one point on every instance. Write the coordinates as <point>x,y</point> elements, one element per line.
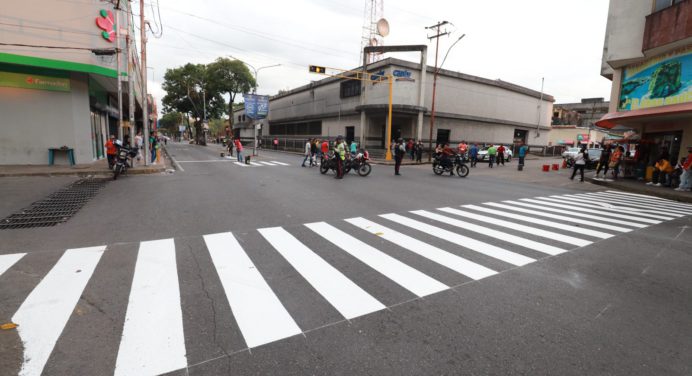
<point>176,165</point>
<point>663,193</point>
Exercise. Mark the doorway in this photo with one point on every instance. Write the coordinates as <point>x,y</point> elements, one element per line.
<point>442,136</point>
<point>350,134</point>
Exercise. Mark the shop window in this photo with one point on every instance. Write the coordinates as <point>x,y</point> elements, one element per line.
<point>350,88</point>
<point>313,128</point>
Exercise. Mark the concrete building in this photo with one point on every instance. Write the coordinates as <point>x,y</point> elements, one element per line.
<point>468,108</point>
<point>58,78</point>
<point>582,114</point>
<point>648,55</point>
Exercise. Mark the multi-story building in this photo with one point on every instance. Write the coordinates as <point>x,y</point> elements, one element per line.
<point>648,55</point>
<point>59,78</point>
<point>582,114</point>
<point>467,108</point>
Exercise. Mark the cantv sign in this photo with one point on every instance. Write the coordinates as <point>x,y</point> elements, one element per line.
<point>256,106</point>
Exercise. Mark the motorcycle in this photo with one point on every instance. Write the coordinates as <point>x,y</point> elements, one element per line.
<point>123,159</point>
<point>458,164</point>
<point>327,163</point>
<point>359,163</point>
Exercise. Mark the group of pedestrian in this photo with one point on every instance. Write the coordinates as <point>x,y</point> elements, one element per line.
<point>112,146</point>
<point>664,174</point>
<point>314,150</point>
<point>611,158</point>
<point>414,149</point>
<point>235,143</point>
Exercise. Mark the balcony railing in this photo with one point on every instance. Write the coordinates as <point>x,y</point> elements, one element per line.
<point>668,25</point>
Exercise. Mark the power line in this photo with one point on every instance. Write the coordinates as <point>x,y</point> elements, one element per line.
<point>54,47</point>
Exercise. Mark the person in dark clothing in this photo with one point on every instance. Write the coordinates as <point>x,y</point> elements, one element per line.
<point>399,152</point>
<point>419,151</point>
<point>604,160</point>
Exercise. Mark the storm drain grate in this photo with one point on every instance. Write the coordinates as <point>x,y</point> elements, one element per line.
<point>56,208</point>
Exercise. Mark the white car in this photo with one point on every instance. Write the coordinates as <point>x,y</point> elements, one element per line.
<point>483,154</point>
<point>570,153</point>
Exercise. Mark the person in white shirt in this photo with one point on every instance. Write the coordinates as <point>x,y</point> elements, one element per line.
<point>580,163</point>
<point>308,153</point>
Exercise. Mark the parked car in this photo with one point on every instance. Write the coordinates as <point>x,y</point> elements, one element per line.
<point>483,154</point>
<point>570,153</point>
<point>592,163</point>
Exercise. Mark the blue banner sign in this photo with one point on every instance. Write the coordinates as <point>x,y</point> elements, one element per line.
<point>256,106</point>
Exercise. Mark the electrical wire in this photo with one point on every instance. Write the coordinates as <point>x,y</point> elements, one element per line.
<point>51,47</point>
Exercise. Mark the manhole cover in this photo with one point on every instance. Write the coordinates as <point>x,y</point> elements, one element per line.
<point>56,208</point>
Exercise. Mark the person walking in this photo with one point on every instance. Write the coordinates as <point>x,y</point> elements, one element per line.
<point>239,149</point>
<point>492,152</point>
<point>276,143</point>
<point>473,154</point>
<point>153,145</point>
<point>230,147</point>
<point>307,151</point>
<point>340,155</point>
<point>419,151</point>
<point>313,152</point>
<point>138,145</point>
<point>604,161</point>
<point>686,176</point>
<point>522,153</point>
<point>111,151</point>
<point>501,155</point>
<point>615,159</point>
<point>463,147</point>
<point>409,148</point>
<point>399,152</point>
<point>580,163</point>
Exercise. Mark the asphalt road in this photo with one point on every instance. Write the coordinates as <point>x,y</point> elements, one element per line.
<point>289,287</point>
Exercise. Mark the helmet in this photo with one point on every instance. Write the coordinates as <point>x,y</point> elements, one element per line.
<point>118,143</point>
<point>339,137</point>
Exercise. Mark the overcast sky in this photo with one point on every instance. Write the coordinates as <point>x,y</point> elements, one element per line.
<point>516,41</point>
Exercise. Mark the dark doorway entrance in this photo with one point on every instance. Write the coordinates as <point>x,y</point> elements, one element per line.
<point>350,134</point>
<point>442,136</point>
<point>520,136</point>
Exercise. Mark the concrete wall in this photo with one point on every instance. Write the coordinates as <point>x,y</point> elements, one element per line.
<point>34,120</point>
<point>625,31</point>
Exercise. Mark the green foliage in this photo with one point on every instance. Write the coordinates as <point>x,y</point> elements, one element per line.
<point>184,87</point>
<point>171,121</point>
<point>217,126</point>
<point>230,77</point>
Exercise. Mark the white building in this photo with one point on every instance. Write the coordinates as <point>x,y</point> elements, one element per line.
<point>467,108</point>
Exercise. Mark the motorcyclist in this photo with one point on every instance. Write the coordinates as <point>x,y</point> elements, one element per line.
<point>446,157</point>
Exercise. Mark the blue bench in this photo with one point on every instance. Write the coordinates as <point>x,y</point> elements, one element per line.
<point>51,155</point>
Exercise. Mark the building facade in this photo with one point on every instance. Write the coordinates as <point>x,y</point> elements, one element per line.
<point>467,108</point>
<point>648,56</point>
<point>59,79</point>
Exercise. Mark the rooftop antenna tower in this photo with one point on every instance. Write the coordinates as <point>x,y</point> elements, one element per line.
<point>375,28</point>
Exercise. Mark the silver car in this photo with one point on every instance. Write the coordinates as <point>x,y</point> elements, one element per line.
<point>570,153</point>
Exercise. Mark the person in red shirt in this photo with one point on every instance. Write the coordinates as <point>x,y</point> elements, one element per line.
<point>463,147</point>
<point>501,155</point>
<point>111,151</point>
<point>686,177</point>
<point>324,148</point>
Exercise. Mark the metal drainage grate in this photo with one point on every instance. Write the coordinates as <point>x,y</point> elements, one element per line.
<point>56,208</point>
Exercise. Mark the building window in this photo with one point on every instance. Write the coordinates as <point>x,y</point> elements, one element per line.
<point>663,4</point>
<point>350,88</point>
<point>312,128</point>
<point>243,117</point>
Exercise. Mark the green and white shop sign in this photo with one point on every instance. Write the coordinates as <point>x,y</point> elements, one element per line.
<point>34,81</point>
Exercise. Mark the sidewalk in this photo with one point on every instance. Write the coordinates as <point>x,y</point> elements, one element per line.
<point>634,186</point>
<point>98,168</point>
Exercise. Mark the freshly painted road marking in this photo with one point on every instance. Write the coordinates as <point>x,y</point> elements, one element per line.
<point>567,215</point>
<point>6,261</point>
<point>407,277</point>
<point>260,315</point>
<point>542,222</point>
<point>44,313</point>
<point>516,226</point>
<point>204,161</point>
<point>580,205</point>
<point>281,163</point>
<point>641,204</point>
<point>349,299</point>
<point>636,206</point>
<point>440,256</point>
<point>650,198</point>
<point>267,163</point>
<point>153,342</point>
<point>256,164</point>
<point>241,164</point>
<point>517,240</point>
<point>655,201</point>
<point>464,241</point>
<point>610,206</point>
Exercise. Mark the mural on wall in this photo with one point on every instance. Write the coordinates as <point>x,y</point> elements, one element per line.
<point>661,81</point>
<point>106,22</point>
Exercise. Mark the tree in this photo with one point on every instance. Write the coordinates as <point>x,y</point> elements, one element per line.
<point>230,77</point>
<point>189,91</point>
<point>171,121</point>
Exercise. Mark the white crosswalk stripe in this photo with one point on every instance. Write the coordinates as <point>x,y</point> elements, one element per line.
<point>561,226</point>
<point>580,205</point>
<point>406,276</point>
<point>241,164</point>
<point>259,313</point>
<point>349,299</point>
<point>256,164</point>
<point>649,198</point>
<point>281,163</point>
<point>656,201</point>
<point>44,313</point>
<point>566,215</point>
<point>527,243</point>
<point>267,163</point>
<point>153,340</point>
<point>6,261</point>
<point>442,257</point>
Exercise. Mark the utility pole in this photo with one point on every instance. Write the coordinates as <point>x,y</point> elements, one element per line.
<point>118,50</point>
<point>540,104</point>
<point>437,36</point>
<point>145,106</point>
<point>130,75</point>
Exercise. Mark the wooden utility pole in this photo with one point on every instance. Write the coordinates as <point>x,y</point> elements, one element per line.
<point>437,36</point>
<point>143,67</point>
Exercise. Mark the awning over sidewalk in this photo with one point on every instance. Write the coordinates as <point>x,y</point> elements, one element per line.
<point>612,119</point>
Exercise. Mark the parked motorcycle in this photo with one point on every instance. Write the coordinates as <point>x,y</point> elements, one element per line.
<point>359,163</point>
<point>327,163</point>
<point>458,165</point>
<point>123,159</point>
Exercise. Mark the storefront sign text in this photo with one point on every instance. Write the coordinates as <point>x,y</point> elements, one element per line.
<point>33,81</point>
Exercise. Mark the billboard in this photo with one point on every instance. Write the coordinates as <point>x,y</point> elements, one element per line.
<point>661,81</point>
<point>256,106</point>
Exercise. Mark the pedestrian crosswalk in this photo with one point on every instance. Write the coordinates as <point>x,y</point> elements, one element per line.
<point>261,163</point>
<point>413,254</point>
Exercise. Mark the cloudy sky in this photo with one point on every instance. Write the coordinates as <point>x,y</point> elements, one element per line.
<point>516,41</point>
